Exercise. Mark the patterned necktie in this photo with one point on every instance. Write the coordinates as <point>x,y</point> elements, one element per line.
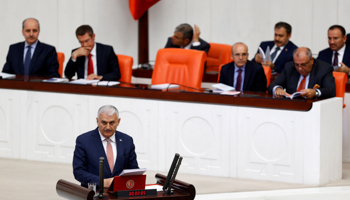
<point>239,80</point>
<point>273,55</point>
<point>335,60</point>
<point>27,60</point>
<point>302,84</point>
<point>90,66</point>
<point>110,156</point>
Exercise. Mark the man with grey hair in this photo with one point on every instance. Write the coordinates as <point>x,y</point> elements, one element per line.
<point>31,57</point>
<point>185,38</point>
<point>117,148</point>
<point>243,74</point>
<point>312,77</point>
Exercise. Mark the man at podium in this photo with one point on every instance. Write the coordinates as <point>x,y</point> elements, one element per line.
<point>117,148</point>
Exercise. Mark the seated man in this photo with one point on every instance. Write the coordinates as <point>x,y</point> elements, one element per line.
<point>281,49</point>
<point>305,74</point>
<point>116,147</point>
<point>92,60</point>
<point>185,38</point>
<point>31,57</point>
<point>338,54</point>
<point>243,74</point>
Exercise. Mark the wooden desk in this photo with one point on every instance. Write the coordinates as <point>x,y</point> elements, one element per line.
<point>253,137</point>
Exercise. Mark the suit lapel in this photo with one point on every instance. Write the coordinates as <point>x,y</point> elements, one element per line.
<point>230,74</point>
<point>346,56</point>
<point>312,78</point>
<point>294,81</point>
<point>247,74</point>
<point>120,153</point>
<point>99,147</point>
<point>20,56</point>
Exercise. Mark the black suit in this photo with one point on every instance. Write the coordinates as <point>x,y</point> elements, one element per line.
<point>285,56</point>
<point>107,64</point>
<point>327,54</point>
<point>254,76</point>
<point>43,63</point>
<point>321,74</point>
<point>204,46</point>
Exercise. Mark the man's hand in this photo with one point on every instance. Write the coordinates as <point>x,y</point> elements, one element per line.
<point>279,93</point>
<point>107,182</point>
<point>343,68</point>
<point>82,51</point>
<point>196,34</point>
<point>308,93</point>
<point>94,76</point>
<point>268,64</point>
<point>258,58</point>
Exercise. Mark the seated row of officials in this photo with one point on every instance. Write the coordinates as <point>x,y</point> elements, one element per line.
<point>36,58</point>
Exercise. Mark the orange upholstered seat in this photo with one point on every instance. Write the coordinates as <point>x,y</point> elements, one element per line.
<point>340,79</point>
<point>125,66</point>
<point>60,59</point>
<point>218,54</point>
<point>179,66</point>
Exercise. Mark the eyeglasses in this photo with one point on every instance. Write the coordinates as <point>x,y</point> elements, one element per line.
<point>240,54</point>
<point>302,65</point>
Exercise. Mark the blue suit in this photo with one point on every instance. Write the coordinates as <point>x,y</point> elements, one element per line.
<point>204,46</point>
<point>254,76</point>
<point>107,64</point>
<point>89,149</point>
<point>321,74</point>
<point>285,56</point>
<point>44,60</point>
<point>327,54</point>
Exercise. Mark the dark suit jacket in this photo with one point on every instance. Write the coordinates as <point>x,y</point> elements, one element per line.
<point>326,55</point>
<point>44,60</point>
<point>89,149</point>
<point>107,64</point>
<point>285,56</point>
<point>204,46</point>
<point>321,74</point>
<point>254,76</point>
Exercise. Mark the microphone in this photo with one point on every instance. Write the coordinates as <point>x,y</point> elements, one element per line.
<point>101,177</point>
<point>204,89</point>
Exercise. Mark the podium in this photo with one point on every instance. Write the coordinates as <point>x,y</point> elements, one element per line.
<point>72,191</point>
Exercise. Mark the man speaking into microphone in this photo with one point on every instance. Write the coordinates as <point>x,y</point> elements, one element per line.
<point>117,148</point>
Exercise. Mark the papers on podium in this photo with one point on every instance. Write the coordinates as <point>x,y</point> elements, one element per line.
<point>84,82</point>
<point>164,86</point>
<point>56,80</point>
<point>4,75</point>
<point>295,94</point>
<point>106,83</point>
<point>224,89</point>
<point>133,172</point>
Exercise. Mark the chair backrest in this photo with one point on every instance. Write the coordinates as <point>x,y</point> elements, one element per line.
<point>340,79</point>
<point>60,59</point>
<point>219,72</point>
<point>267,71</point>
<point>218,54</point>
<point>181,66</point>
<point>125,66</point>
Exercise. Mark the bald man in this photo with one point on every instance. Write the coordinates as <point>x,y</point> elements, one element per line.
<point>243,74</point>
<point>31,57</point>
<point>304,74</point>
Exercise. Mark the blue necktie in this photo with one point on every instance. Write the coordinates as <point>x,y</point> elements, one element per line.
<point>273,55</point>
<point>27,60</point>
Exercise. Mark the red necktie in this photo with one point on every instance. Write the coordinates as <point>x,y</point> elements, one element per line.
<point>302,84</point>
<point>110,156</point>
<point>90,66</point>
<point>239,80</point>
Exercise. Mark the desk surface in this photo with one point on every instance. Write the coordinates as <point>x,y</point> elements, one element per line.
<point>249,99</point>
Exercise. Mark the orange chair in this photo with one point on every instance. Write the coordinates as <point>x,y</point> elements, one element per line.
<point>125,66</point>
<point>219,72</point>
<point>60,59</point>
<point>267,71</point>
<point>180,66</point>
<point>340,79</point>
<point>218,54</point>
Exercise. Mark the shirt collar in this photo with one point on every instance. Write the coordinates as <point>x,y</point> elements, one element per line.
<point>189,45</point>
<point>33,45</point>
<point>281,47</point>
<point>341,50</point>
<point>237,68</point>
<point>93,51</point>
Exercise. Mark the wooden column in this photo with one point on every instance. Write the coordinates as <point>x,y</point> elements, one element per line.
<point>143,39</point>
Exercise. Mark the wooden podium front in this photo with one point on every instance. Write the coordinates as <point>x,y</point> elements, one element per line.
<point>182,191</point>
